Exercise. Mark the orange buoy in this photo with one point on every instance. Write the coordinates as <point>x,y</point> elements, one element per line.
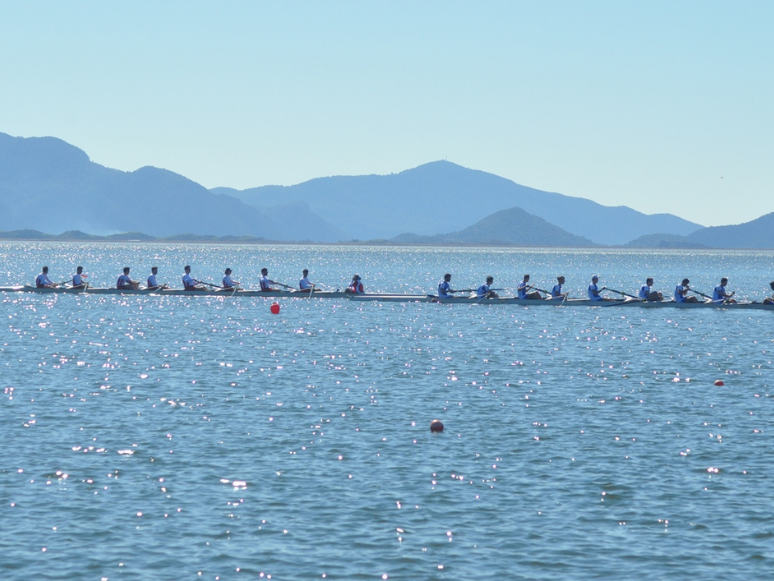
<point>275,308</point>
<point>719,383</point>
<point>436,426</point>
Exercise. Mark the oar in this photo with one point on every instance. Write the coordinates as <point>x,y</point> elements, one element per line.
<point>700,294</point>
<point>620,292</point>
<point>209,284</point>
<point>283,285</point>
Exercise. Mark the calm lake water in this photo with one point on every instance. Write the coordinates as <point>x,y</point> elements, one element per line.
<point>205,438</point>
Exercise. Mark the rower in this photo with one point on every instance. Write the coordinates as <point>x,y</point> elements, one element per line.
<point>594,290</point>
<point>304,283</point>
<point>681,292</point>
<point>229,284</point>
<point>719,294</point>
<point>769,300</point>
<point>356,286</point>
<point>484,292</point>
<point>190,283</point>
<point>444,287</point>
<point>42,280</point>
<point>523,288</point>
<point>126,283</point>
<point>266,282</point>
<point>152,284</point>
<point>649,295</point>
<point>556,292</point>
<point>78,277</point>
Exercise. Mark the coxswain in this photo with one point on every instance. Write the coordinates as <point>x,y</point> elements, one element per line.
<point>594,290</point>
<point>228,283</point>
<point>769,300</point>
<point>190,283</point>
<point>444,287</point>
<point>126,283</point>
<point>556,292</point>
<point>304,283</point>
<point>681,293</point>
<point>42,280</point>
<point>266,282</point>
<point>524,287</point>
<point>719,294</point>
<point>649,295</point>
<point>78,277</point>
<point>152,283</point>
<point>484,292</point>
<point>356,286</point>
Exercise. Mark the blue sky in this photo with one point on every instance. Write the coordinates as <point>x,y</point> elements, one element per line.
<point>661,106</point>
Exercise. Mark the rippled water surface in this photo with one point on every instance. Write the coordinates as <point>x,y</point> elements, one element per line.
<point>205,438</point>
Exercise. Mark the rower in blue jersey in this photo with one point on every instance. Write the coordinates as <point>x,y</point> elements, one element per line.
<point>556,292</point>
<point>152,282</point>
<point>681,293</point>
<point>647,294</point>
<point>594,290</point>
<point>126,283</point>
<point>189,282</point>
<point>523,288</point>
<point>719,294</point>
<point>42,280</point>
<point>228,282</point>
<point>444,287</point>
<point>769,300</point>
<point>78,277</point>
<point>485,292</point>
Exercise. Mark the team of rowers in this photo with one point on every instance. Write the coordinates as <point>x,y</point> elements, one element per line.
<point>445,291</point>
<point>125,282</point>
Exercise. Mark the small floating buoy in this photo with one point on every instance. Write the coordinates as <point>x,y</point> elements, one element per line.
<point>436,426</point>
<point>275,308</point>
<point>719,383</point>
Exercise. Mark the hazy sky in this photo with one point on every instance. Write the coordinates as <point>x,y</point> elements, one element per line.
<point>661,106</point>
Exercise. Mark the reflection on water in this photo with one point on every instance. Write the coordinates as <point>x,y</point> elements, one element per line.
<point>169,438</point>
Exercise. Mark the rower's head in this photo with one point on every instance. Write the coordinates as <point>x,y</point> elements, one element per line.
<point>649,282</point>
<point>447,277</point>
<point>723,281</point>
<point>154,269</point>
<point>594,278</point>
<point>79,270</point>
<point>685,281</point>
<point>771,284</point>
<point>560,279</point>
<point>264,271</point>
<point>187,269</point>
<point>305,272</point>
<point>45,270</point>
<point>526,278</point>
<point>356,277</point>
<point>228,271</point>
<point>126,270</point>
<point>489,279</point>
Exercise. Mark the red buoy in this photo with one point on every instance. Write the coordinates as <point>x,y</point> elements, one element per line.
<point>274,308</point>
<point>719,383</point>
<point>436,426</point>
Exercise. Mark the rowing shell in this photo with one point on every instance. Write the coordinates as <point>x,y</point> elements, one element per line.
<point>174,292</point>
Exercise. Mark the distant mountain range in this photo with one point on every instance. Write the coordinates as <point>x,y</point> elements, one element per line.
<point>47,185</point>
<point>442,197</point>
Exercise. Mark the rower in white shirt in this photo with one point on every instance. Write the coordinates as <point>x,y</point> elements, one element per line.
<point>304,283</point>
<point>152,283</point>
<point>78,277</point>
<point>266,282</point>
<point>719,294</point>
<point>649,295</point>
<point>228,283</point>
<point>556,292</point>
<point>42,280</point>
<point>189,282</point>
<point>126,283</point>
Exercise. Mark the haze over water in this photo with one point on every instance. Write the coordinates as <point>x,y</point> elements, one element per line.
<point>151,437</point>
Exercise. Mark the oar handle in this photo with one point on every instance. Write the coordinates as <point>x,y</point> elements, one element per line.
<point>619,292</point>
<point>700,293</point>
